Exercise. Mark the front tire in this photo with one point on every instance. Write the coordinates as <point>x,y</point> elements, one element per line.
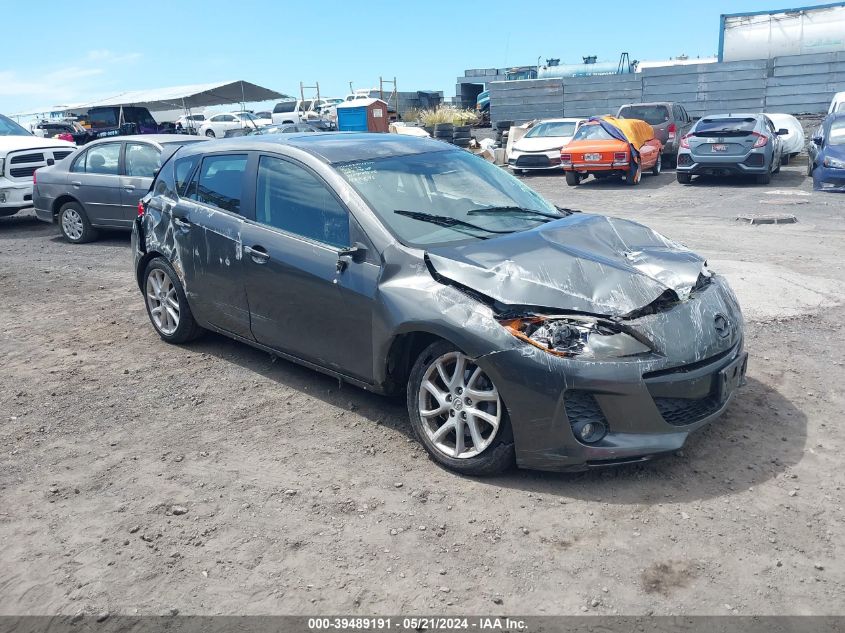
<point>210,134</point>
<point>573,178</point>
<point>74,224</point>
<point>167,305</point>
<point>457,413</point>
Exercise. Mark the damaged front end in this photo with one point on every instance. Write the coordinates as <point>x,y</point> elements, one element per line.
<point>618,358</point>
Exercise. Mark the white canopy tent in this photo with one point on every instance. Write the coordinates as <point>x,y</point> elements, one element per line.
<point>195,96</point>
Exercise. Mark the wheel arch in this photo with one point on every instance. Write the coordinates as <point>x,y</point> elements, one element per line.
<point>404,349</point>
<point>142,266</point>
<point>62,200</point>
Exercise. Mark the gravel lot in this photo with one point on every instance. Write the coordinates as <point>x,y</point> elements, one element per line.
<point>137,477</point>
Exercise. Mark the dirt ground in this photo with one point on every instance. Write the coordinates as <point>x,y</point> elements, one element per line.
<point>138,477</point>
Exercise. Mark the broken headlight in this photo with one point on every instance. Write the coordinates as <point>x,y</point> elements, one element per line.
<point>579,337</point>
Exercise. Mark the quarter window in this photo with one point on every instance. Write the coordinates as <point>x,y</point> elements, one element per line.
<point>291,198</point>
<point>184,167</point>
<point>220,182</point>
<point>142,160</point>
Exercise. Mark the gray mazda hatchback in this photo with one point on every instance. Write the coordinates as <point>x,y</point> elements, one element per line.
<point>519,332</point>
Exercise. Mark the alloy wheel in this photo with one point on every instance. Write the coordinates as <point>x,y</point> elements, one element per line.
<point>459,406</point>
<point>72,224</point>
<point>163,301</point>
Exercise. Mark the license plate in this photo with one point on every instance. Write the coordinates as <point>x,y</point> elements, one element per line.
<point>592,156</point>
<point>719,147</point>
<point>732,377</point>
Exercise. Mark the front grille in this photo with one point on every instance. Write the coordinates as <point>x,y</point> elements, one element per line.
<point>26,158</point>
<point>533,161</point>
<point>684,411</point>
<point>23,172</point>
<point>581,407</point>
<point>59,155</point>
<point>754,160</point>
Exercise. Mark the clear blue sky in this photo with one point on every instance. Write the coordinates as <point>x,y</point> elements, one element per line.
<point>55,55</point>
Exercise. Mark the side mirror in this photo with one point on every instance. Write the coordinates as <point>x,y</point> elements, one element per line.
<point>817,140</point>
<point>783,131</point>
<point>357,253</point>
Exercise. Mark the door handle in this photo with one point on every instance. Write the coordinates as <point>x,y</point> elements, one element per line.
<point>76,183</point>
<point>129,187</point>
<point>258,253</point>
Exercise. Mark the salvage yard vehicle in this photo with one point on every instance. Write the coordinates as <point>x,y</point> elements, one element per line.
<point>120,121</point>
<point>217,125</point>
<point>190,123</point>
<point>826,154</point>
<point>21,154</point>
<point>793,141</point>
<point>101,184</point>
<point>518,331</point>
<point>541,145</point>
<point>607,146</point>
<point>669,120</point>
<point>731,144</point>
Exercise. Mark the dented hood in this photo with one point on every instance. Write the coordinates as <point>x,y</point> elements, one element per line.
<point>585,263</point>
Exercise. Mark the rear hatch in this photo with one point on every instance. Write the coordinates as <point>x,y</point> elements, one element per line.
<point>730,137</point>
<point>656,115</point>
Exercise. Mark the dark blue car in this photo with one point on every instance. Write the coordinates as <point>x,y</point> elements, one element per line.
<point>826,163</point>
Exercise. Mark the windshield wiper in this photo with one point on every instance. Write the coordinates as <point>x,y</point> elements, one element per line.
<point>445,220</point>
<point>514,210</point>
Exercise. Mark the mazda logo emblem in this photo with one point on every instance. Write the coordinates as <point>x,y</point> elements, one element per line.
<point>722,325</point>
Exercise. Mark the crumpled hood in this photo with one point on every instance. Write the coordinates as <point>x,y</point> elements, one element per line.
<point>585,263</point>
<point>541,143</point>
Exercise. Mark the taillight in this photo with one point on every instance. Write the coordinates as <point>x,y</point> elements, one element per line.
<point>141,208</point>
<point>566,158</point>
<point>685,141</point>
<point>761,139</point>
<point>672,129</point>
<point>34,176</point>
<point>620,157</point>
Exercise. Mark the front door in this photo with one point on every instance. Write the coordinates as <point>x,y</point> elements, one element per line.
<point>140,163</point>
<point>301,300</point>
<point>95,182</point>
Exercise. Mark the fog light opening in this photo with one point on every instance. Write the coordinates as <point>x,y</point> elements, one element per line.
<point>590,432</point>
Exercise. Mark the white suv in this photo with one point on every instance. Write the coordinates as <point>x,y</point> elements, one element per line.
<point>21,154</point>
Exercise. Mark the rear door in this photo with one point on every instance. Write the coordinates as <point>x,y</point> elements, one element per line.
<point>95,182</point>
<point>304,298</point>
<point>140,163</point>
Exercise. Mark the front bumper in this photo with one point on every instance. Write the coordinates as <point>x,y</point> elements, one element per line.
<point>829,179</point>
<point>650,406</point>
<point>534,160</point>
<point>15,195</point>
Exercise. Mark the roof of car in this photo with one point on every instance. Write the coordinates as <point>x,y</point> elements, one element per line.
<point>733,115</point>
<point>332,147</point>
<point>161,139</point>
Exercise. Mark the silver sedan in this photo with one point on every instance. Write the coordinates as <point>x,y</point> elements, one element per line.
<point>99,185</point>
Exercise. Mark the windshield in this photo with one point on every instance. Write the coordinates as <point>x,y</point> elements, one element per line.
<point>10,128</point>
<point>141,116</point>
<point>592,132</point>
<point>837,133</point>
<point>452,185</point>
<point>651,114</point>
<point>552,128</point>
<point>284,106</point>
<point>726,125</point>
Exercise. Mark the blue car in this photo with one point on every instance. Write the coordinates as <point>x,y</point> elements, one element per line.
<point>826,154</point>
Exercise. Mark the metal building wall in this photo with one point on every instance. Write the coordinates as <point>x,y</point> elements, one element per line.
<point>792,84</point>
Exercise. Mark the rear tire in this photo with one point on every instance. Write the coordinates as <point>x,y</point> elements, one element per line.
<point>810,166</point>
<point>684,179</point>
<point>74,224</point>
<point>573,178</point>
<point>167,305</point>
<point>764,179</point>
<point>632,176</point>
<point>658,166</point>
<point>210,133</point>
<point>497,452</point>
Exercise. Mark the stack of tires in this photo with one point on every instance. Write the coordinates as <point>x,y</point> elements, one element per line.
<point>444,131</point>
<point>502,130</point>
<point>461,135</point>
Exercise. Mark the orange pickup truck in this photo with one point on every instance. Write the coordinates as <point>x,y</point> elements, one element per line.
<point>608,146</point>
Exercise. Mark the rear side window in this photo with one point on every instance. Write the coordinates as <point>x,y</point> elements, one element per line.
<point>284,106</point>
<point>142,160</point>
<point>219,182</point>
<point>651,114</point>
<point>183,169</point>
<point>291,198</point>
